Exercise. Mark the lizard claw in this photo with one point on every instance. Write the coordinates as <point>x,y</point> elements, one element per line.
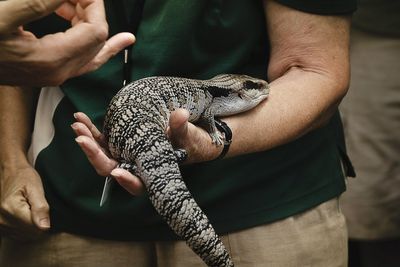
<point>217,139</point>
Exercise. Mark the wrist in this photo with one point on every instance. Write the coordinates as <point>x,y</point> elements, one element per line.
<point>14,160</point>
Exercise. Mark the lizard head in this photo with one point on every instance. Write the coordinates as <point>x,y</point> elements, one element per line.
<point>235,93</point>
<point>243,86</point>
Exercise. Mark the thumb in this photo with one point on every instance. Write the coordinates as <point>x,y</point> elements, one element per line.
<point>39,208</point>
<point>112,47</point>
<point>19,12</point>
<point>178,125</point>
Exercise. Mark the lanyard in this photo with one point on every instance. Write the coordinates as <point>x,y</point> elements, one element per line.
<point>128,23</point>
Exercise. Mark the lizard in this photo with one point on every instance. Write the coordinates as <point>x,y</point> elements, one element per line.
<point>135,129</point>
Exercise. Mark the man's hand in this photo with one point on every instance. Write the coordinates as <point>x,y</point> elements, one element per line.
<point>27,60</point>
<point>182,134</point>
<point>195,140</point>
<point>93,144</point>
<point>24,212</point>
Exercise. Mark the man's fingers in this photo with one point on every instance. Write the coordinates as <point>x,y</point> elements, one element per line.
<point>91,11</point>
<point>100,161</point>
<point>39,207</point>
<point>94,11</point>
<point>104,166</point>
<point>128,181</point>
<point>17,211</point>
<point>19,12</point>
<point>66,11</point>
<point>80,49</point>
<point>94,132</point>
<point>178,118</point>
<point>82,42</point>
<point>112,47</point>
<point>178,126</point>
<point>81,129</point>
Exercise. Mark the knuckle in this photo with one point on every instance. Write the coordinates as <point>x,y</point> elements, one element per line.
<point>5,206</point>
<point>100,33</point>
<point>42,207</point>
<point>95,64</point>
<point>39,7</point>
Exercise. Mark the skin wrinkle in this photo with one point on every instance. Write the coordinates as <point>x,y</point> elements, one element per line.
<point>303,47</point>
<point>304,50</point>
<point>38,7</point>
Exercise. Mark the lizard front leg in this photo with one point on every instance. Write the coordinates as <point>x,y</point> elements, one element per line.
<point>207,122</point>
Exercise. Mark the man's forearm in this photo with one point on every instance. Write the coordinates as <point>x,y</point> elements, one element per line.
<point>309,74</point>
<point>16,116</point>
<point>24,211</point>
<point>298,103</point>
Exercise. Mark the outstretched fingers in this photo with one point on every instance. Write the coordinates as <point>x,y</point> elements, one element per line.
<point>90,130</point>
<point>112,47</point>
<point>96,156</point>
<point>92,143</point>
<point>89,139</point>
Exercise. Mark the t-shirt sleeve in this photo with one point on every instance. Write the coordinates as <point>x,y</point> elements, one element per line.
<point>322,7</point>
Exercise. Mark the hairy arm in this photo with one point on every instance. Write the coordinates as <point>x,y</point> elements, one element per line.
<point>16,116</point>
<point>309,75</point>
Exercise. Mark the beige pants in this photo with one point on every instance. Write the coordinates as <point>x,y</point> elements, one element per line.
<point>317,237</point>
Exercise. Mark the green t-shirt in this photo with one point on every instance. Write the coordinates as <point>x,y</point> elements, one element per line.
<point>196,39</point>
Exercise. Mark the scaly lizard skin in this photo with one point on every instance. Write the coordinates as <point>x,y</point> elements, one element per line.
<point>135,127</point>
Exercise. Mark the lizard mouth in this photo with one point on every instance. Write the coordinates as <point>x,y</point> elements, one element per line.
<point>253,94</point>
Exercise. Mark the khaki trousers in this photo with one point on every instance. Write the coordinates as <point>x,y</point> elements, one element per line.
<point>317,237</point>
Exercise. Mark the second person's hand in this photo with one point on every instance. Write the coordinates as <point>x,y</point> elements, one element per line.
<point>24,211</point>
<point>50,60</point>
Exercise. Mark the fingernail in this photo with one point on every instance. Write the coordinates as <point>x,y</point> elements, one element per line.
<point>132,38</point>
<point>79,140</point>
<point>76,115</point>
<point>44,223</point>
<point>74,126</point>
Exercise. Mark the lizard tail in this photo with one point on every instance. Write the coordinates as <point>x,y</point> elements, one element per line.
<point>173,201</point>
